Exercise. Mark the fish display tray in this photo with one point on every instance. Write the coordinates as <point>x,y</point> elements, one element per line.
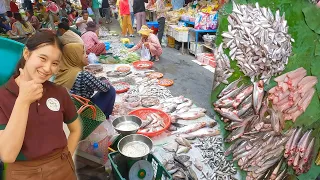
<point>142,114</point>
<point>142,65</point>
<point>117,160</point>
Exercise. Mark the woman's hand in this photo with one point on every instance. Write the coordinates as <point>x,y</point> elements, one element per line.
<point>29,90</point>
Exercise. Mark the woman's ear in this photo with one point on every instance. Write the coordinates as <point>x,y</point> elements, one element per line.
<point>26,54</point>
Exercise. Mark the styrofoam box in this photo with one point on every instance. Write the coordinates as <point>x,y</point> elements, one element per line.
<point>181,36</point>
<point>192,48</point>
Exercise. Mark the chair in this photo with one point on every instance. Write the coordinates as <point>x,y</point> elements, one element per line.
<point>11,52</point>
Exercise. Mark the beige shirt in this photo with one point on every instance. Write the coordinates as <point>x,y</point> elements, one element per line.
<point>70,37</point>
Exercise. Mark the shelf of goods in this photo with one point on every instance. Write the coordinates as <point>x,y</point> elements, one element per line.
<point>303,62</point>
<point>193,37</point>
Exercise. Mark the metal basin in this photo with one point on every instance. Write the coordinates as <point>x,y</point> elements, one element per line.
<point>126,125</point>
<point>135,146</point>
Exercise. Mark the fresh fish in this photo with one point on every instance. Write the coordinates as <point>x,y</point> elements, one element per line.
<point>194,127</point>
<point>303,143</point>
<point>171,147</point>
<point>245,105</point>
<point>205,132</point>
<point>203,110</point>
<point>179,175</point>
<point>281,175</point>
<point>190,115</point>
<point>172,171</point>
<point>275,121</point>
<point>182,141</point>
<point>146,122</point>
<point>235,134</point>
<point>232,86</point>
<point>295,141</point>
<point>182,110</point>
<point>198,164</point>
<point>308,151</point>
<point>172,128</point>
<point>275,171</point>
<point>257,95</point>
<point>192,174</point>
<point>232,94</point>
<point>183,149</point>
<point>188,103</point>
<point>182,158</point>
<point>240,97</point>
<point>227,114</point>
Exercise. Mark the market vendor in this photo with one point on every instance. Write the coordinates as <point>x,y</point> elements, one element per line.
<point>67,36</point>
<point>32,113</point>
<point>83,83</point>
<point>82,21</point>
<point>21,27</point>
<point>150,41</point>
<point>91,40</point>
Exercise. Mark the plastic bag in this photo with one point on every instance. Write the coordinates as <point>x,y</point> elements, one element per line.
<point>90,12</point>
<point>145,53</point>
<point>92,58</point>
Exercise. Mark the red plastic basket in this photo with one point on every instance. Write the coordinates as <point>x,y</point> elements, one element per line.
<point>123,84</point>
<point>142,64</point>
<point>142,114</point>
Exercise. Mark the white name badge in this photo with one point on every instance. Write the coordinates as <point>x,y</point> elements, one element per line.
<point>53,104</point>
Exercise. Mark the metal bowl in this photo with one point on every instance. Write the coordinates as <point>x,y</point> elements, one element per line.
<point>129,120</point>
<point>135,146</point>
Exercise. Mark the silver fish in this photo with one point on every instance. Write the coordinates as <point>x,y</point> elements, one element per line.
<point>232,86</point>
<point>183,149</point>
<point>257,95</point>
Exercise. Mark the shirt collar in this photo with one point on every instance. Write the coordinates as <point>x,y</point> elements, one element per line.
<point>12,86</point>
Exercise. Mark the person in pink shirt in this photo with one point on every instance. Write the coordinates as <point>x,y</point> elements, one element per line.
<point>149,41</point>
<point>126,19</point>
<point>91,41</point>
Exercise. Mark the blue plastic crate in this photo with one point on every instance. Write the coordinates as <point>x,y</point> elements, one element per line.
<point>154,24</point>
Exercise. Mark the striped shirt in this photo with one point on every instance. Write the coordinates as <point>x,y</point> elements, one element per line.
<point>86,83</point>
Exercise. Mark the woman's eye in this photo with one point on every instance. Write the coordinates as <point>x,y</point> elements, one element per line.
<point>42,59</point>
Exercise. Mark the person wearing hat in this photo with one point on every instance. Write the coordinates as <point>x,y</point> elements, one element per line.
<point>150,41</point>
<point>91,40</point>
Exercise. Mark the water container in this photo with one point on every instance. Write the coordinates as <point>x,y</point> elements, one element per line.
<point>107,44</point>
<point>97,151</point>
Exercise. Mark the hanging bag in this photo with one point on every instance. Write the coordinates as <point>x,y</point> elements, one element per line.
<point>91,115</point>
<point>145,53</point>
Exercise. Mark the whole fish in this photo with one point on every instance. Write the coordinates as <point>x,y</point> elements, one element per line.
<point>194,127</point>
<point>275,121</point>
<point>281,175</point>
<point>183,149</point>
<point>235,134</point>
<point>232,147</point>
<point>204,132</point>
<point>309,149</point>
<point>182,110</point>
<point>198,164</point>
<point>229,87</point>
<point>171,147</point>
<point>190,115</point>
<point>240,97</point>
<point>303,143</point>
<point>188,103</point>
<point>182,141</point>
<point>275,171</point>
<point>192,175</point>
<point>245,105</point>
<point>197,109</point>
<point>257,95</point>
<point>228,114</point>
<point>232,94</point>
<point>295,141</point>
<point>182,158</point>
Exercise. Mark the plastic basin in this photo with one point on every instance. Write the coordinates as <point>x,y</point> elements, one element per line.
<point>107,44</point>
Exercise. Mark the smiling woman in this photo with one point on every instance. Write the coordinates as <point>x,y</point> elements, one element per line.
<point>32,113</point>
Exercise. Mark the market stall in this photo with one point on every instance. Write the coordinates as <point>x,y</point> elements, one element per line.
<point>266,89</point>
<point>188,144</point>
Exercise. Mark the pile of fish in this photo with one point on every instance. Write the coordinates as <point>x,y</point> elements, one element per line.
<point>212,153</point>
<point>299,150</point>
<point>131,101</point>
<point>180,145</point>
<point>222,70</point>
<point>180,108</point>
<point>258,40</point>
<point>180,167</point>
<point>152,123</point>
<point>150,87</point>
<point>293,93</point>
<point>258,152</point>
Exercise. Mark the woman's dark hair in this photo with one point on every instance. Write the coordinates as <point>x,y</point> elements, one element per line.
<point>64,26</point>
<point>40,39</point>
<point>18,17</point>
<point>65,20</point>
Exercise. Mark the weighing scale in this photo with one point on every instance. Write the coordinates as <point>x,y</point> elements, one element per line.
<point>141,170</point>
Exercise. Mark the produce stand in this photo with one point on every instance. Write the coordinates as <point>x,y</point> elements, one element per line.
<point>197,32</point>
<point>305,54</point>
